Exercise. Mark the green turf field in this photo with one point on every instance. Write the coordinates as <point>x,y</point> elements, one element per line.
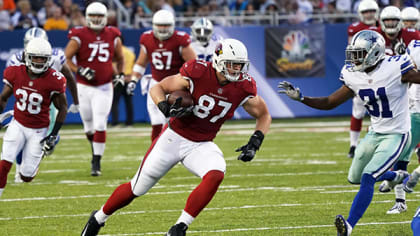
<point>295,186</point>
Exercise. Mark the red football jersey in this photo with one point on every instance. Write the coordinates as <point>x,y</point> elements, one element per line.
<point>214,103</point>
<point>359,26</point>
<point>165,56</point>
<point>405,34</point>
<point>95,51</point>
<point>33,96</point>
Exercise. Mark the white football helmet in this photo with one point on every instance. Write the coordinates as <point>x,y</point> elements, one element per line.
<point>228,53</point>
<point>368,5</point>
<point>202,30</point>
<point>38,47</point>
<point>391,13</point>
<point>96,14</point>
<point>366,48</point>
<point>34,32</point>
<point>410,14</point>
<point>163,24</point>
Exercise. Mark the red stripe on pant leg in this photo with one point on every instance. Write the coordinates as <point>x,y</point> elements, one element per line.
<point>356,124</point>
<point>156,129</point>
<point>99,136</point>
<point>121,197</point>
<point>202,195</point>
<point>148,152</point>
<point>4,170</point>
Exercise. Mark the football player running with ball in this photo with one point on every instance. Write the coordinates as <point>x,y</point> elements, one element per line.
<point>382,82</point>
<point>35,86</point>
<point>217,88</point>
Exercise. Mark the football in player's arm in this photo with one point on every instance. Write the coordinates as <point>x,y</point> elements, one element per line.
<point>217,89</point>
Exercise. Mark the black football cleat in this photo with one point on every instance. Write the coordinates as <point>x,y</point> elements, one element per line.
<point>351,152</point>
<point>177,230</point>
<point>96,166</point>
<point>92,227</point>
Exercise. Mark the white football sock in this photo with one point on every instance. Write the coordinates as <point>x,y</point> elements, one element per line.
<point>17,169</point>
<point>98,148</point>
<point>399,192</point>
<point>354,137</point>
<point>185,218</point>
<point>1,191</point>
<point>100,216</point>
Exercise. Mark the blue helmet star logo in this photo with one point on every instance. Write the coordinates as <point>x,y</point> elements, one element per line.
<point>373,39</point>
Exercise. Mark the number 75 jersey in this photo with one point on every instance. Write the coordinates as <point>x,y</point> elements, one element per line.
<point>213,103</point>
<point>384,95</point>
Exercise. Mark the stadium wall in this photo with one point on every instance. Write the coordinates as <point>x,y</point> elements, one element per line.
<point>332,44</point>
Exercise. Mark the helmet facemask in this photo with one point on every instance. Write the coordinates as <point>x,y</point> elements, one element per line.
<point>232,70</point>
<point>391,26</point>
<point>163,31</point>
<point>360,59</point>
<point>96,21</point>
<point>38,55</point>
<point>369,17</point>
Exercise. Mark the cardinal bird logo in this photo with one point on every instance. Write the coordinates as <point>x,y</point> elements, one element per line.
<point>219,49</point>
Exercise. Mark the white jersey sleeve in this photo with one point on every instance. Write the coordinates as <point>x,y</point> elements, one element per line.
<point>413,49</point>
<point>57,59</point>
<point>15,59</point>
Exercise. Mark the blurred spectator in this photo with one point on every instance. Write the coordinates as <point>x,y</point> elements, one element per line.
<point>23,17</point>
<point>343,5</point>
<point>249,12</point>
<point>36,5</point>
<point>162,5</point>
<point>112,18</point>
<point>305,8</point>
<point>297,16</point>
<point>66,7</point>
<point>76,17</point>
<point>140,16</point>
<point>129,6</point>
<point>238,6</point>
<point>4,18</point>
<point>180,5</point>
<point>45,11</point>
<point>58,21</point>
<point>318,5</point>
<point>9,5</point>
<point>268,6</point>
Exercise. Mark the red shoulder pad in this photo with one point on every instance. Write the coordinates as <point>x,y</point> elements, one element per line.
<point>194,69</point>
<point>115,30</point>
<point>184,39</point>
<point>249,85</point>
<point>74,32</point>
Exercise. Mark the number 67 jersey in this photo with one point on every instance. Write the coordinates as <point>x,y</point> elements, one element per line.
<point>33,96</point>
<point>384,95</point>
<point>213,103</point>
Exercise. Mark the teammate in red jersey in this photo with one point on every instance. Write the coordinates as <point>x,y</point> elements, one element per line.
<point>34,85</point>
<point>396,37</point>
<point>167,49</point>
<point>410,17</point>
<point>368,11</point>
<point>217,88</point>
<point>95,47</point>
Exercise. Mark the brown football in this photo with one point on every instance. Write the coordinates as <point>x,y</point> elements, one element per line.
<point>187,99</point>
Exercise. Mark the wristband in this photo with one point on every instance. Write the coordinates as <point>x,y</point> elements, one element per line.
<point>139,69</point>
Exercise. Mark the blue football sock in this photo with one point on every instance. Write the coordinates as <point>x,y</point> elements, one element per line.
<point>19,158</point>
<point>362,199</point>
<point>389,175</point>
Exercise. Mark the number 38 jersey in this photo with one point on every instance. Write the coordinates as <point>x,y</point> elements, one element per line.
<point>213,103</point>
<point>384,95</point>
<point>164,56</point>
<point>96,52</point>
<point>33,96</point>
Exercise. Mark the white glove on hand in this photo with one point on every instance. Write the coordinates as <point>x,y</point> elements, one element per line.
<point>5,115</point>
<point>290,90</point>
<point>73,108</point>
<point>86,72</point>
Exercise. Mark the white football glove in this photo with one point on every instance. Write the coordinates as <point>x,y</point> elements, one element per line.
<point>131,86</point>
<point>86,72</point>
<point>5,115</point>
<point>73,108</point>
<point>290,90</point>
<point>118,80</point>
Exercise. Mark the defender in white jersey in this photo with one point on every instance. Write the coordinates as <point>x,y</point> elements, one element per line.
<point>57,62</point>
<point>381,82</point>
<point>204,40</point>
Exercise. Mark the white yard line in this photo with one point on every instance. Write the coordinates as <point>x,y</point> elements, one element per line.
<point>205,209</point>
<point>261,228</point>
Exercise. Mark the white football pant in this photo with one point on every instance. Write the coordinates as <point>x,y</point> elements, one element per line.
<point>156,116</point>
<point>171,148</point>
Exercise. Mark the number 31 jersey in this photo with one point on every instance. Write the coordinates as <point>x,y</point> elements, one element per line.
<point>164,56</point>
<point>384,95</point>
<point>33,96</point>
<point>213,103</point>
